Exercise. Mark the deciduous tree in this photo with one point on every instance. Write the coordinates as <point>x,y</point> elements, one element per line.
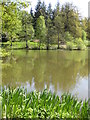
<point>41,29</point>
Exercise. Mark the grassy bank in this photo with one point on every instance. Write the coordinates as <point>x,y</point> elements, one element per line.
<point>34,46</point>
<point>17,103</point>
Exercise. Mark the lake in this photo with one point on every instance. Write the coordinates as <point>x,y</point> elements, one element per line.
<point>58,70</point>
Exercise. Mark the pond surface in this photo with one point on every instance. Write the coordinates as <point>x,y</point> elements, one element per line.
<point>59,71</point>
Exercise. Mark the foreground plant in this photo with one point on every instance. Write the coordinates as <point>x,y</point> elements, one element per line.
<point>17,103</point>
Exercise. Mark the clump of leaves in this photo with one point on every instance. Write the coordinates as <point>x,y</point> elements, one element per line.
<point>80,44</point>
<point>70,45</point>
<point>18,103</point>
<point>4,53</point>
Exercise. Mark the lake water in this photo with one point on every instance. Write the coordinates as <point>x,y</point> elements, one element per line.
<point>59,71</point>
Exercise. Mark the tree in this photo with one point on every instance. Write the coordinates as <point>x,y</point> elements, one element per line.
<point>68,37</point>
<point>84,23</point>
<point>41,30</point>
<point>50,11</point>
<point>0,23</point>
<point>31,13</point>
<point>71,20</point>
<point>38,9</point>
<point>11,21</point>
<point>84,35</point>
<point>88,29</point>
<point>11,25</point>
<point>50,32</point>
<point>43,10</point>
<point>37,13</point>
<point>59,25</point>
<point>27,28</point>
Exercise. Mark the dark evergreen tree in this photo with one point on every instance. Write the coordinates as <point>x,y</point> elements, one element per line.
<point>71,20</point>
<point>37,14</point>
<point>59,25</point>
<point>50,11</point>
<point>31,13</point>
<point>27,28</point>
<point>50,33</point>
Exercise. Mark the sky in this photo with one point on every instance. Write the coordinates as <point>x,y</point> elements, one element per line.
<point>82,5</point>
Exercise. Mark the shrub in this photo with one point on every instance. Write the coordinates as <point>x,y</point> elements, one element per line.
<point>84,35</point>
<point>80,44</point>
<point>68,37</point>
<point>87,43</point>
<point>70,45</point>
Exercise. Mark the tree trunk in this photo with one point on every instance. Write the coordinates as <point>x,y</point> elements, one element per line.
<point>39,44</point>
<point>1,44</point>
<point>26,44</point>
<point>11,42</point>
<point>47,44</point>
<point>47,47</point>
<point>58,40</point>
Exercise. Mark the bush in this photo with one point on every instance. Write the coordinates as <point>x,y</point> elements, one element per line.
<point>70,45</point>
<point>87,43</point>
<point>80,44</point>
<point>68,37</point>
<point>84,35</point>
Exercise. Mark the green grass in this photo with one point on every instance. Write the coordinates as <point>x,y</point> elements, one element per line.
<point>77,45</point>
<point>22,45</point>
<point>17,103</point>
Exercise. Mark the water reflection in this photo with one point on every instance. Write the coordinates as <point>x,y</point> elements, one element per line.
<point>80,90</point>
<point>59,71</point>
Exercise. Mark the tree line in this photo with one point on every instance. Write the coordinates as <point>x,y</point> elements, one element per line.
<point>49,26</point>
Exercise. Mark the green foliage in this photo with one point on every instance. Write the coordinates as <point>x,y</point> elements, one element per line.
<point>69,41</point>
<point>86,42</point>
<point>27,31</point>
<point>17,103</point>
<point>77,43</point>
<point>70,45</point>
<point>49,11</point>
<point>59,24</point>
<point>84,35</point>
<point>88,29</point>
<point>50,32</point>
<point>48,25</point>
<point>11,23</point>
<point>84,24</point>
<point>80,44</point>
<point>41,29</point>
<point>71,20</point>
<point>68,37</point>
